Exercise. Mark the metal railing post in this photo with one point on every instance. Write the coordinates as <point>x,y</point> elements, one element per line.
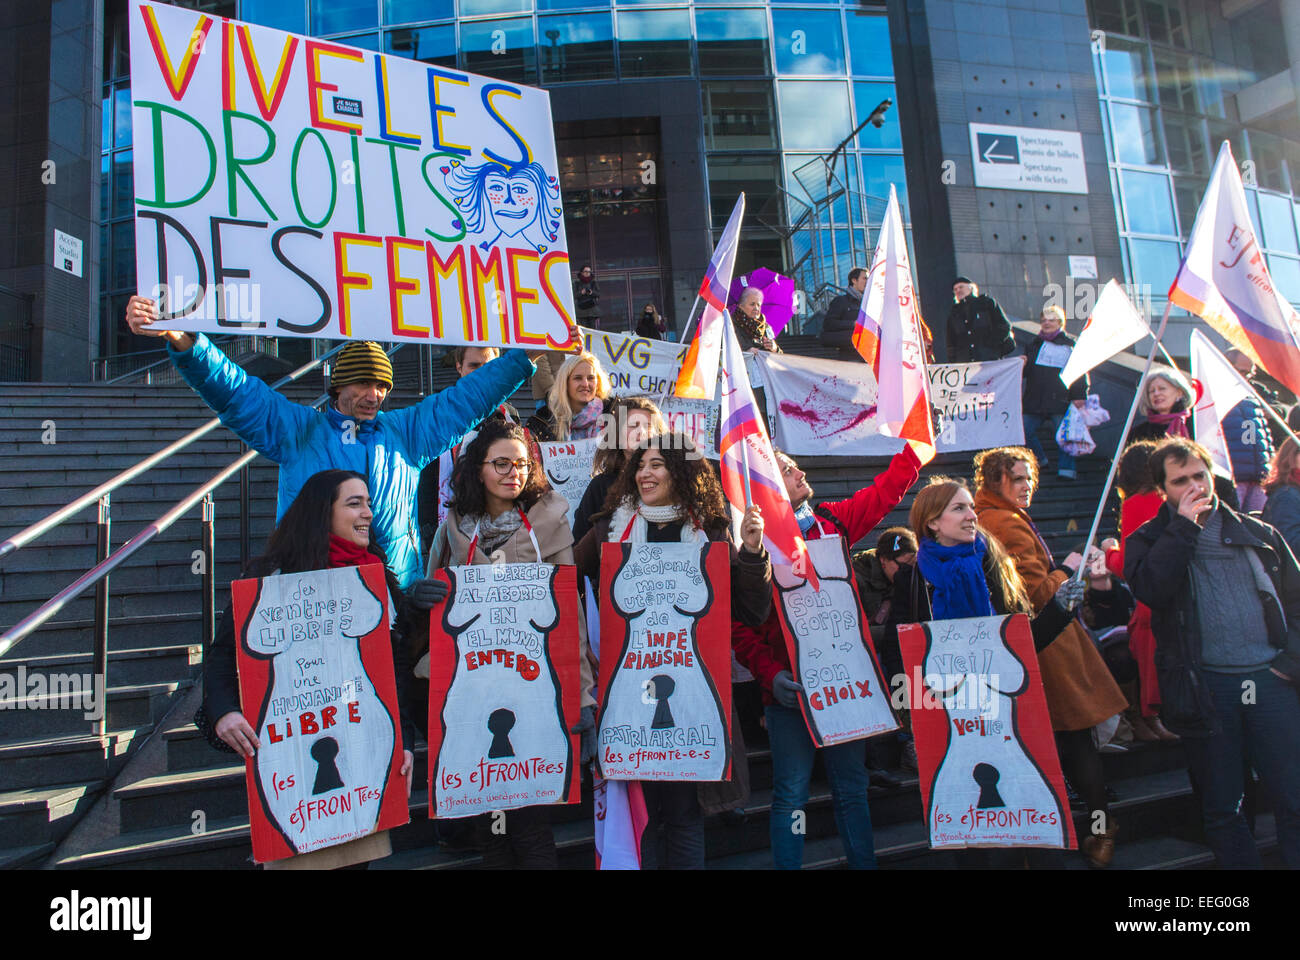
<point>245,498</point>
<point>99,667</point>
<point>209,574</point>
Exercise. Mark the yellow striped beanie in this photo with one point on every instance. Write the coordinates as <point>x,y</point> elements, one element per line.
<point>359,361</point>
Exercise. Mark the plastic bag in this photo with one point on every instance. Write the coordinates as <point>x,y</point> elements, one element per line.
<point>1094,414</point>
<point>1072,435</point>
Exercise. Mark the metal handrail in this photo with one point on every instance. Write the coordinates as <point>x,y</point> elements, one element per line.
<point>41,527</point>
<point>106,566</point>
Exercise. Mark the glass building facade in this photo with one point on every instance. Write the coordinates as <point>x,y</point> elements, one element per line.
<point>1167,83</point>
<point>781,85</point>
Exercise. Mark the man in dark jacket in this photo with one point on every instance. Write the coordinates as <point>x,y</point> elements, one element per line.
<point>842,316</point>
<point>977,327</point>
<point>1224,593</point>
<point>1044,398</point>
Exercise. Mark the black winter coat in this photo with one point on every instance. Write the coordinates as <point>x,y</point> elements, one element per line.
<point>221,673</point>
<point>1043,392</point>
<point>1156,566</point>
<point>978,330</point>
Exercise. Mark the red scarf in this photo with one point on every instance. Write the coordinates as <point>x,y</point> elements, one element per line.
<point>1176,421</point>
<point>345,553</point>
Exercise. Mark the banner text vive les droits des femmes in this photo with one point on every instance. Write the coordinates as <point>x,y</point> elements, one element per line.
<point>347,193</point>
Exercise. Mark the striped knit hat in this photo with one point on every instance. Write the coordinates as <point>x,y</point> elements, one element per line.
<point>362,360</point>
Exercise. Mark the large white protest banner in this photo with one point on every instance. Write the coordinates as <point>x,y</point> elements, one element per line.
<point>568,468</point>
<point>293,186</point>
<point>844,696</point>
<point>636,366</point>
<point>822,407</point>
<point>978,404</point>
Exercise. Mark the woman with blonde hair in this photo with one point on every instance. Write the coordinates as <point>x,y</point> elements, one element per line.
<point>574,403</point>
<point>1283,488</point>
<point>1166,403</point>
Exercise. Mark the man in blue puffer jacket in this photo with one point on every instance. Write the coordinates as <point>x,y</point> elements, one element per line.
<point>1250,447</point>
<point>352,433</point>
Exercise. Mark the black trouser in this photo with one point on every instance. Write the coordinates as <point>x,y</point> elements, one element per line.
<point>1081,764</point>
<point>676,808</point>
<point>525,843</point>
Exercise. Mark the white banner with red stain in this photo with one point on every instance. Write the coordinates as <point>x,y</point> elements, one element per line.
<point>828,407</point>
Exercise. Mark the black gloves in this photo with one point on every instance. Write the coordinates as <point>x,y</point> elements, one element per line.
<point>423,594</point>
<point>785,690</point>
<point>586,726</point>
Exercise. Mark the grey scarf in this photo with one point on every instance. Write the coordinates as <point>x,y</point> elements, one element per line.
<point>492,531</point>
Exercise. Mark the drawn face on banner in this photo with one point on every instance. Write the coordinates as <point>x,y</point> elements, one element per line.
<point>321,703</point>
<point>518,201</point>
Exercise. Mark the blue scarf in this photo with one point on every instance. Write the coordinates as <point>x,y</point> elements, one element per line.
<point>957,574</point>
<point>805,517</point>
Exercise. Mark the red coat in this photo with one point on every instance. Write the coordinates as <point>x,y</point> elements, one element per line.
<point>762,649</point>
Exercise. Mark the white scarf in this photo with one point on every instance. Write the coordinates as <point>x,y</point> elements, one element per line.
<point>625,514</point>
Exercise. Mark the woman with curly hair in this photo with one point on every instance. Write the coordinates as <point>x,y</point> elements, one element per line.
<point>574,402</point>
<point>1080,690</point>
<point>1282,509</point>
<point>502,511</point>
<point>628,421</point>
<point>669,493</point>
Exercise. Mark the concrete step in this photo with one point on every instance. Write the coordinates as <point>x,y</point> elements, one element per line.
<point>12,858</point>
<point>38,717</point>
<point>81,757</point>
<point>140,665</point>
<point>224,844</point>
<point>139,571</point>
<point>137,601</point>
<point>44,814</point>
<point>173,798</point>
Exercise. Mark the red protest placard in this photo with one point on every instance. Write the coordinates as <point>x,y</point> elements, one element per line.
<point>316,684</point>
<point>504,691</point>
<point>990,775</point>
<point>665,665</point>
<point>844,695</point>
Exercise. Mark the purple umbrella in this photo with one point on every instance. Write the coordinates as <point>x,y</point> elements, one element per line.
<point>778,296</point>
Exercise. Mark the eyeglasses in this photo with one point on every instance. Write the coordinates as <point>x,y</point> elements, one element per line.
<point>503,466</point>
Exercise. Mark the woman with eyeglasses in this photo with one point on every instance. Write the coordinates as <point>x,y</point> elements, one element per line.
<point>502,511</point>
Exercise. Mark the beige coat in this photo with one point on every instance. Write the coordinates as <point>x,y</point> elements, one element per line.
<point>1080,690</point>
<point>550,521</point>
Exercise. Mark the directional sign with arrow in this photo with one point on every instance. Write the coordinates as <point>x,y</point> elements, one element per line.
<point>998,148</point>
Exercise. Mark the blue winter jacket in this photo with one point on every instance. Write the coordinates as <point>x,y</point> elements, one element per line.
<point>1250,460</point>
<point>389,451</point>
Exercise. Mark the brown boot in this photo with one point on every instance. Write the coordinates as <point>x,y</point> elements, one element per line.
<point>1141,725</point>
<point>1099,849</point>
<point>1160,730</point>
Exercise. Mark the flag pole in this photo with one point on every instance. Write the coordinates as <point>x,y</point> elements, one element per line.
<point>1114,463</point>
<point>690,318</point>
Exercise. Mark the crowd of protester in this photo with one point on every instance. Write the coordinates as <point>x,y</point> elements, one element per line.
<point>1206,593</point>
